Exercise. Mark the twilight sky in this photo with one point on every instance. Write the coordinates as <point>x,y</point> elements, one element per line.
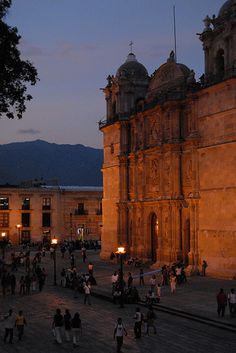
<point>75,44</point>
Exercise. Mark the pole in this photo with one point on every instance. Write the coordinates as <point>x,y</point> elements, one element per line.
<point>19,235</point>
<point>55,267</point>
<point>71,226</point>
<point>175,34</point>
<point>3,250</point>
<point>121,282</point>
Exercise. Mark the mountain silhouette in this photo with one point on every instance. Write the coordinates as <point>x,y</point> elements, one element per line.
<point>64,164</point>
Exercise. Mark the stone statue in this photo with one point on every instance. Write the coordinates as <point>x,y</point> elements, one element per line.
<point>207,23</point>
<point>109,78</point>
<point>191,77</point>
<point>172,56</point>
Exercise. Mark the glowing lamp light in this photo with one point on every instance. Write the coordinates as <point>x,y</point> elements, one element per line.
<point>54,241</point>
<point>3,235</point>
<point>18,226</point>
<point>121,250</point>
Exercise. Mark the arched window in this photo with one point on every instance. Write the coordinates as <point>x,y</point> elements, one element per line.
<point>139,105</point>
<point>220,62</point>
<point>114,109</point>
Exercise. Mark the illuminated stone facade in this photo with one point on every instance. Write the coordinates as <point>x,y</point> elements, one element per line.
<point>43,212</point>
<point>170,157</point>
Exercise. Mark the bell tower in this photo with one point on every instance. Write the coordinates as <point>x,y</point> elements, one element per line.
<point>124,93</point>
<point>219,44</point>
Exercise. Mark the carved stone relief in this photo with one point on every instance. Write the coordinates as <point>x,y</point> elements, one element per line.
<point>167,127</point>
<point>188,171</point>
<point>140,171</point>
<point>166,227</point>
<point>131,179</point>
<point>166,176</point>
<point>154,131</point>
<point>155,174</point>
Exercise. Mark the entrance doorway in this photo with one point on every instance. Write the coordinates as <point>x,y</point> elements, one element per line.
<point>154,235</point>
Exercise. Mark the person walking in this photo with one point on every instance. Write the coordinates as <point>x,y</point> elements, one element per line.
<point>152,283</point>
<point>34,282</point>
<point>87,293</point>
<point>22,285</point>
<point>204,266</point>
<point>172,283</point>
<point>13,284</point>
<point>158,292</point>
<point>67,324</point>
<point>90,269</point>
<point>141,277</point>
<point>119,332</point>
<point>84,255</point>
<point>76,328</point>
<point>57,325</point>
<point>27,284</point>
<point>151,316</point>
<point>232,302</point>
<point>20,323</point>
<point>221,302</point>
<point>138,323</point>
<point>130,280</point>
<point>63,278</point>
<point>9,323</point>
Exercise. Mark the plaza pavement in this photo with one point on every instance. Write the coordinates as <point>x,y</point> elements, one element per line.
<point>197,296</point>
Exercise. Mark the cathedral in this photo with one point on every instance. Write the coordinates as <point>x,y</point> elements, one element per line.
<point>169,172</point>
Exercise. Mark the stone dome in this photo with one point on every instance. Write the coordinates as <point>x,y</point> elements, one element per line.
<point>227,7</point>
<point>132,69</point>
<point>169,76</point>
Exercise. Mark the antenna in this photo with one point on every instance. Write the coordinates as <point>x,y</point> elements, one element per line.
<point>175,33</point>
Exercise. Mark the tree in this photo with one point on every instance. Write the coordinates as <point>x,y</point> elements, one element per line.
<point>15,74</point>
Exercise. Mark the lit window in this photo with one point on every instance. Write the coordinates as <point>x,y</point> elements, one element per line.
<point>4,219</point>
<point>4,203</point>
<point>26,203</point>
<point>46,203</point>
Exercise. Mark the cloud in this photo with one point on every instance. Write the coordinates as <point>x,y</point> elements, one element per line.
<point>29,49</point>
<point>29,131</point>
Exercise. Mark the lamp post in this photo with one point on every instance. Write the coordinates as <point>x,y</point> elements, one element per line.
<point>71,226</point>
<point>121,253</point>
<point>4,243</point>
<point>18,226</point>
<point>54,245</point>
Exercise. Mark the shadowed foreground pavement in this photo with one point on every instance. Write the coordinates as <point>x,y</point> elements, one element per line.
<point>174,334</point>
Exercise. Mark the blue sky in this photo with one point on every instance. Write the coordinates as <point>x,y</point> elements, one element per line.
<point>75,44</point>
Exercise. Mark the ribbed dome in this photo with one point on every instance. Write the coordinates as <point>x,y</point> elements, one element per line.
<point>226,7</point>
<point>132,69</point>
<point>169,76</point>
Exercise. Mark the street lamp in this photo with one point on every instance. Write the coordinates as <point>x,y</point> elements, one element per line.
<point>121,253</point>
<point>54,245</point>
<point>3,243</point>
<point>71,226</point>
<point>18,226</point>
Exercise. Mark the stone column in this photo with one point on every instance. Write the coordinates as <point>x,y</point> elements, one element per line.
<point>193,254</point>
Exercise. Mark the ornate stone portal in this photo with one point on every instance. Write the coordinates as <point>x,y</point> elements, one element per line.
<point>169,181</point>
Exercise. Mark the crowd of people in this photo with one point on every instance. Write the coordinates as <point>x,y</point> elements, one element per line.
<point>142,322</point>
<point>71,324</point>
<point>26,274</point>
<point>10,322</point>
<point>32,280</point>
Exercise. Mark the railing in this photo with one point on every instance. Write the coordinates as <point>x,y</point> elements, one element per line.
<point>212,79</point>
